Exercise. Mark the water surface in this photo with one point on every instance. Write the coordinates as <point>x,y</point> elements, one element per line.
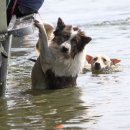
<point>98,102</point>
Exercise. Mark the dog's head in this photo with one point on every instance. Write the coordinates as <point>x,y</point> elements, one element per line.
<point>70,40</point>
<point>100,63</point>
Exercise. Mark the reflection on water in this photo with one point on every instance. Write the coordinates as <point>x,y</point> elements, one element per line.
<point>38,110</point>
<point>99,102</point>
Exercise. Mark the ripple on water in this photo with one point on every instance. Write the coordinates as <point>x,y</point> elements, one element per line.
<point>98,102</point>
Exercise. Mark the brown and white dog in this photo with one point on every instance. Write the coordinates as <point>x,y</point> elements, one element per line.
<point>101,64</point>
<point>61,59</point>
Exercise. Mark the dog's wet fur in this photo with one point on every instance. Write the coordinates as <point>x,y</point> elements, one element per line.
<point>61,59</point>
<point>102,63</point>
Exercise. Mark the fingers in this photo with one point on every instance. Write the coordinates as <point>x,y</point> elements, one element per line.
<point>36,23</point>
<point>3,37</point>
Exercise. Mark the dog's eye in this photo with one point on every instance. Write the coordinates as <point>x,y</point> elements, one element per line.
<point>75,28</point>
<point>95,59</point>
<point>104,60</point>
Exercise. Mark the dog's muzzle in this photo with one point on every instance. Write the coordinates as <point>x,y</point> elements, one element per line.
<point>97,66</point>
<point>65,48</point>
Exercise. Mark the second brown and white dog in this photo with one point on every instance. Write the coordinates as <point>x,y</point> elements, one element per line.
<point>60,60</point>
<point>101,64</point>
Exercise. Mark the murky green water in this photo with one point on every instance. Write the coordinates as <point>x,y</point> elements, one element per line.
<point>98,102</point>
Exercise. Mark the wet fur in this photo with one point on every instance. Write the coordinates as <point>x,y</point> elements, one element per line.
<point>55,67</point>
<point>102,64</point>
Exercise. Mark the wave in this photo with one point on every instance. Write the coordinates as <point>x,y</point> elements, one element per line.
<point>109,23</point>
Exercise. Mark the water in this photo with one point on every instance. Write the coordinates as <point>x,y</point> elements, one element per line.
<point>98,102</point>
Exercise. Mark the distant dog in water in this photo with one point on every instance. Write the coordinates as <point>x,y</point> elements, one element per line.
<point>102,64</point>
<point>61,58</point>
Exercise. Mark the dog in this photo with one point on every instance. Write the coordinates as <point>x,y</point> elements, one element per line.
<point>101,64</point>
<point>61,59</point>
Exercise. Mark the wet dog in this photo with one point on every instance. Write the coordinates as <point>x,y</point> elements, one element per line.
<point>61,59</point>
<point>102,64</point>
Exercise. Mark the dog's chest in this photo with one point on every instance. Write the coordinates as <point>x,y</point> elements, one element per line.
<point>62,66</point>
<point>68,67</point>
<point>54,81</point>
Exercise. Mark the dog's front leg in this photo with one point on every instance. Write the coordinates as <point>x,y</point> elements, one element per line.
<point>43,41</point>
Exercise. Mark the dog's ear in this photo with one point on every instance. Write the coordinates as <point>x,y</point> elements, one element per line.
<point>89,58</point>
<point>115,61</point>
<point>60,24</point>
<point>85,39</point>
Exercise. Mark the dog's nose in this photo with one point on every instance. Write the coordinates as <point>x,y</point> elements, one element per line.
<point>97,66</point>
<point>64,49</point>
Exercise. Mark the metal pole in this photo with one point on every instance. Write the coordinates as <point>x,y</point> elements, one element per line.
<point>4,46</point>
<point>3,69</point>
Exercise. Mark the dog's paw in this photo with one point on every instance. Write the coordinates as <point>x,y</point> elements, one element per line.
<point>40,26</point>
<point>36,22</point>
